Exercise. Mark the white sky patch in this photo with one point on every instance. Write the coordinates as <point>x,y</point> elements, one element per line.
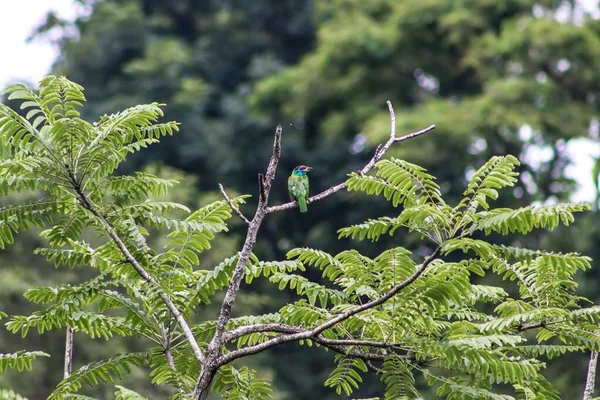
<point>23,61</point>
<point>535,156</point>
<point>583,152</point>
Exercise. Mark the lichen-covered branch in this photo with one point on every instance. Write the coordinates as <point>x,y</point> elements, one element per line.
<point>68,352</point>
<point>352,347</point>
<point>590,382</point>
<point>284,328</point>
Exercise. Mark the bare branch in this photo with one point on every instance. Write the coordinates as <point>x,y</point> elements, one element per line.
<point>379,153</point>
<point>355,342</point>
<point>414,134</point>
<point>342,346</point>
<point>388,144</point>
<point>255,328</point>
<point>214,348</point>
<point>392,119</point>
<point>68,352</point>
<point>233,207</point>
<point>284,328</point>
<point>167,346</point>
<point>313,333</point>
<point>536,325</point>
<point>590,383</point>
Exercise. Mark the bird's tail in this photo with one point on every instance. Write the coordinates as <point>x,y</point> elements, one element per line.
<point>302,204</point>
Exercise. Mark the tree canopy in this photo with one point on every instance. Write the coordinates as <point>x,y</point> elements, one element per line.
<point>515,77</point>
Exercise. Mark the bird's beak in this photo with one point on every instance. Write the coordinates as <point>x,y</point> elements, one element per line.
<point>309,168</point>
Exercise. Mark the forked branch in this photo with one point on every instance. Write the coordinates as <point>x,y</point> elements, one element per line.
<point>316,331</point>
<point>265,182</point>
<point>379,152</point>
<point>214,359</point>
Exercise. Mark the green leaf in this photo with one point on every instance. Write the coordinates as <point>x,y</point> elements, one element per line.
<point>345,377</point>
<point>20,360</point>
<point>105,371</point>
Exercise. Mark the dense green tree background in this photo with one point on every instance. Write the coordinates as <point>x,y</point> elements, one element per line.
<point>497,77</point>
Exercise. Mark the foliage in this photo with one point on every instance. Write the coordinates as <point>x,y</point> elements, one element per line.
<point>431,321</point>
<point>425,314</point>
<point>434,322</point>
<point>10,395</point>
<point>496,77</point>
<point>234,384</point>
<point>477,94</point>
<point>21,360</point>
<point>53,150</point>
<point>126,394</point>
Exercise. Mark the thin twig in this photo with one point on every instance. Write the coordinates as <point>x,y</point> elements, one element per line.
<point>590,382</point>
<point>167,347</point>
<point>373,368</point>
<point>166,338</point>
<point>414,134</point>
<point>379,153</point>
<point>68,352</point>
<point>536,325</point>
<point>365,355</point>
<point>233,207</point>
<point>255,328</point>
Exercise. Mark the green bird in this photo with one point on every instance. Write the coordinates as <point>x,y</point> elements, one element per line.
<point>298,186</point>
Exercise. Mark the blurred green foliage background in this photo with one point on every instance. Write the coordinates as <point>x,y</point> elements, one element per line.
<point>496,77</point>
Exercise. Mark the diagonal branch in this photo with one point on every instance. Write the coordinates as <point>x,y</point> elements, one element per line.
<point>86,203</point>
<point>311,334</point>
<point>233,207</point>
<point>379,152</point>
<point>265,182</point>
